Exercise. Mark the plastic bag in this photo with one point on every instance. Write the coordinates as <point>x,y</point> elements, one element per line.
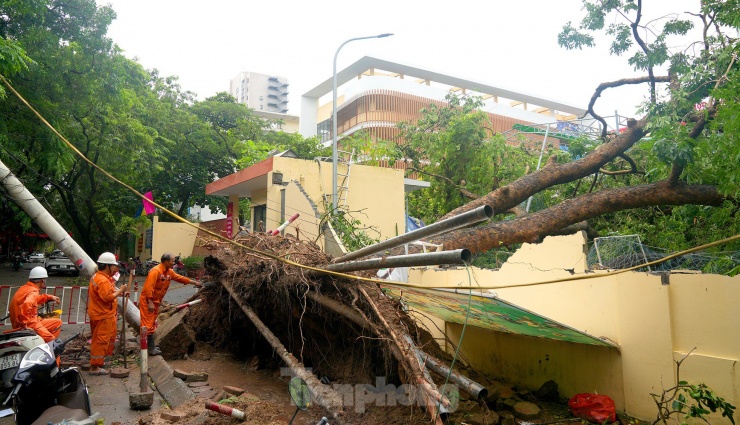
<point>593,407</point>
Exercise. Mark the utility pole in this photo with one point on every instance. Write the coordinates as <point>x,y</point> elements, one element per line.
<point>86,265</point>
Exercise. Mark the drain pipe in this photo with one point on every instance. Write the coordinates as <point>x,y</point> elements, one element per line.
<point>26,201</point>
<point>477,215</point>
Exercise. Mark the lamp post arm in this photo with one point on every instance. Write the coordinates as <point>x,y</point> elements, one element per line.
<point>334,156</point>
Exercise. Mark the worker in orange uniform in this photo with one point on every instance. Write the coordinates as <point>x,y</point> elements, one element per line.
<point>102,309</point>
<point>24,307</point>
<point>155,287</point>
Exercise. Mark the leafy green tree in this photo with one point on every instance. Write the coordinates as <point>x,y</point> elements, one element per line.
<point>673,173</point>
<point>452,146</point>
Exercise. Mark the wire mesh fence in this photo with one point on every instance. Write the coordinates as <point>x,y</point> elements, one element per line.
<point>621,252</point>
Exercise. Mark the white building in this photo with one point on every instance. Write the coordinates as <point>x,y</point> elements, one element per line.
<point>261,92</point>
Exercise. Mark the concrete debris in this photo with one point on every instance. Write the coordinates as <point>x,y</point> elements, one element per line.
<point>234,390</point>
<point>526,410</point>
<point>548,391</point>
<point>174,338</point>
<point>172,416</point>
<point>190,376</point>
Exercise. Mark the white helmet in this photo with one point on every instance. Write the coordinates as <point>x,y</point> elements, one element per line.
<point>107,258</point>
<point>38,272</point>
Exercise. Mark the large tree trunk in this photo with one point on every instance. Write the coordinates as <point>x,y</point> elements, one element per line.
<point>511,195</point>
<point>535,226</point>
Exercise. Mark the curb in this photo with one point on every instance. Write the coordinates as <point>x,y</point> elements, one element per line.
<point>173,390</point>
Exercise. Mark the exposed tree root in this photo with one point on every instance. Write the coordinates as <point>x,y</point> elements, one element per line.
<point>345,331</point>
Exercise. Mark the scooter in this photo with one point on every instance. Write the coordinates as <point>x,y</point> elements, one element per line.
<point>14,344</point>
<point>44,394</point>
<point>17,262</point>
<point>179,266</point>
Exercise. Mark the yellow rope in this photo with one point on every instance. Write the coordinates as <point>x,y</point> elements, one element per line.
<point>333,273</point>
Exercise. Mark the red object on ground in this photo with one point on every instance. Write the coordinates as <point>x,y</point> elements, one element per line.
<point>593,407</point>
<point>225,410</point>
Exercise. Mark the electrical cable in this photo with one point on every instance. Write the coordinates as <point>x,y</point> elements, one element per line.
<point>333,273</point>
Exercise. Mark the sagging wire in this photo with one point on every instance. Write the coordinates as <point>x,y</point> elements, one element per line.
<point>329,272</point>
<point>175,216</point>
<point>462,333</point>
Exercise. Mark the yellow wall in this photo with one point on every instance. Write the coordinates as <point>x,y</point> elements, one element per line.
<point>381,208</point>
<point>175,238</point>
<point>653,323</point>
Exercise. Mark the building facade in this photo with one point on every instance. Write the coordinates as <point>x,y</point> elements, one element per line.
<point>261,92</point>
<point>374,95</point>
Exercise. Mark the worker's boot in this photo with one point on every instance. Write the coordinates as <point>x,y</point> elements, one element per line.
<point>152,349</point>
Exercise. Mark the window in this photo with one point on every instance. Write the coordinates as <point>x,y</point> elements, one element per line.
<point>259,215</point>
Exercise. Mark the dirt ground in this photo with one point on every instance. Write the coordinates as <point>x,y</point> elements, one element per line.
<point>267,401</point>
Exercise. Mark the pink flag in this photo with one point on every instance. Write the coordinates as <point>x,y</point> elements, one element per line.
<point>148,206</point>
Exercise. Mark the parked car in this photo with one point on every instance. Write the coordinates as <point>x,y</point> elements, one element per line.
<point>37,257</point>
<point>57,262</point>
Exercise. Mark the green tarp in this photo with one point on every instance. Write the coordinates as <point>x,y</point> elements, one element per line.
<point>488,312</point>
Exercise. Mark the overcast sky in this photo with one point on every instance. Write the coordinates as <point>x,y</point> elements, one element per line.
<point>509,44</point>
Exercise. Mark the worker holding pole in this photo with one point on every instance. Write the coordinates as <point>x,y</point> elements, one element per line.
<point>102,309</point>
<point>155,287</point>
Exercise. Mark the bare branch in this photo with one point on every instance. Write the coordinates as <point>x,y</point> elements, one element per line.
<point>464,192</point>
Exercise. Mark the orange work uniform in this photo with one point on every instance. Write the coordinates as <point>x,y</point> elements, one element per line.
<point>102,309</point>
<point>155,287</point>
<point>24,312</point>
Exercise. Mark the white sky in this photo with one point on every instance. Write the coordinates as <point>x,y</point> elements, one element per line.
<point>509,44</point>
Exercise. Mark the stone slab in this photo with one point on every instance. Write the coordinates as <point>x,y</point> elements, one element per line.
<point>172,389</point>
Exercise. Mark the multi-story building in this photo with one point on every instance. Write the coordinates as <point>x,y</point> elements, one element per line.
<point>375,95</point>
<point>261,92</point>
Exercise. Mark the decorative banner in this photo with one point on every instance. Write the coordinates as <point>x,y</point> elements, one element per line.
<point>148,206</point>
<point>487,311</point>
<point>229,219</point>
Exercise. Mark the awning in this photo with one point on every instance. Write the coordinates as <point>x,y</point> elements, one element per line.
<point>489,312</point>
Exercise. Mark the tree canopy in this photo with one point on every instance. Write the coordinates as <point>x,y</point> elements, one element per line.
<point>671,176</point>
<point>136,124</point>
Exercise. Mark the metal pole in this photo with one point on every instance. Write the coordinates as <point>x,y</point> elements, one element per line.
<point>471,217</point>
<point>542,151</point>
<point>468,385</point>
<point>334,119</point>
<point>458,256</point>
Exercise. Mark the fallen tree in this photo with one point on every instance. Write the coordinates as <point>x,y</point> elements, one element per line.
<point>346,332</point>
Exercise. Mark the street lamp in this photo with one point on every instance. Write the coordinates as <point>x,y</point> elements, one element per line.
<point>334,121</point>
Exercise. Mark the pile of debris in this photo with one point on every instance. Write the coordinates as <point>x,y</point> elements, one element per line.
<point>346,331</point>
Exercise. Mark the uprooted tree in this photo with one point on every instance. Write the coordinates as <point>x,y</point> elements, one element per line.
<point>683,152</point>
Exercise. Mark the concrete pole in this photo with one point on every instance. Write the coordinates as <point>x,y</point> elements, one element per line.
<point>86,265</point>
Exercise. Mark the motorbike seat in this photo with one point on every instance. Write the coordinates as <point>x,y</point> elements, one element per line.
<point>57,414</point>
<point>16,333</point>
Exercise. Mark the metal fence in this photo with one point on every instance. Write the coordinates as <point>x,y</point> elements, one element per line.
<point>73,302</point>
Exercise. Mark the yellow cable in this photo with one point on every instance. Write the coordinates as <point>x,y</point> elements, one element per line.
<point>339,274</point>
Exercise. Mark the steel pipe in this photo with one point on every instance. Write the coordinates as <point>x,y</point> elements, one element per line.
<point>458,256</point>
<point>477,215</point>
<point>468,385</point>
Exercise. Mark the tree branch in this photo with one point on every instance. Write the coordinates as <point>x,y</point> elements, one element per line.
<point>535,226</point>
<point>466,193</point>
<point>506,197</point>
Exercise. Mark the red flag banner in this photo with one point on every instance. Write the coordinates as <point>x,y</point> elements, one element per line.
<point>148,206</point>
